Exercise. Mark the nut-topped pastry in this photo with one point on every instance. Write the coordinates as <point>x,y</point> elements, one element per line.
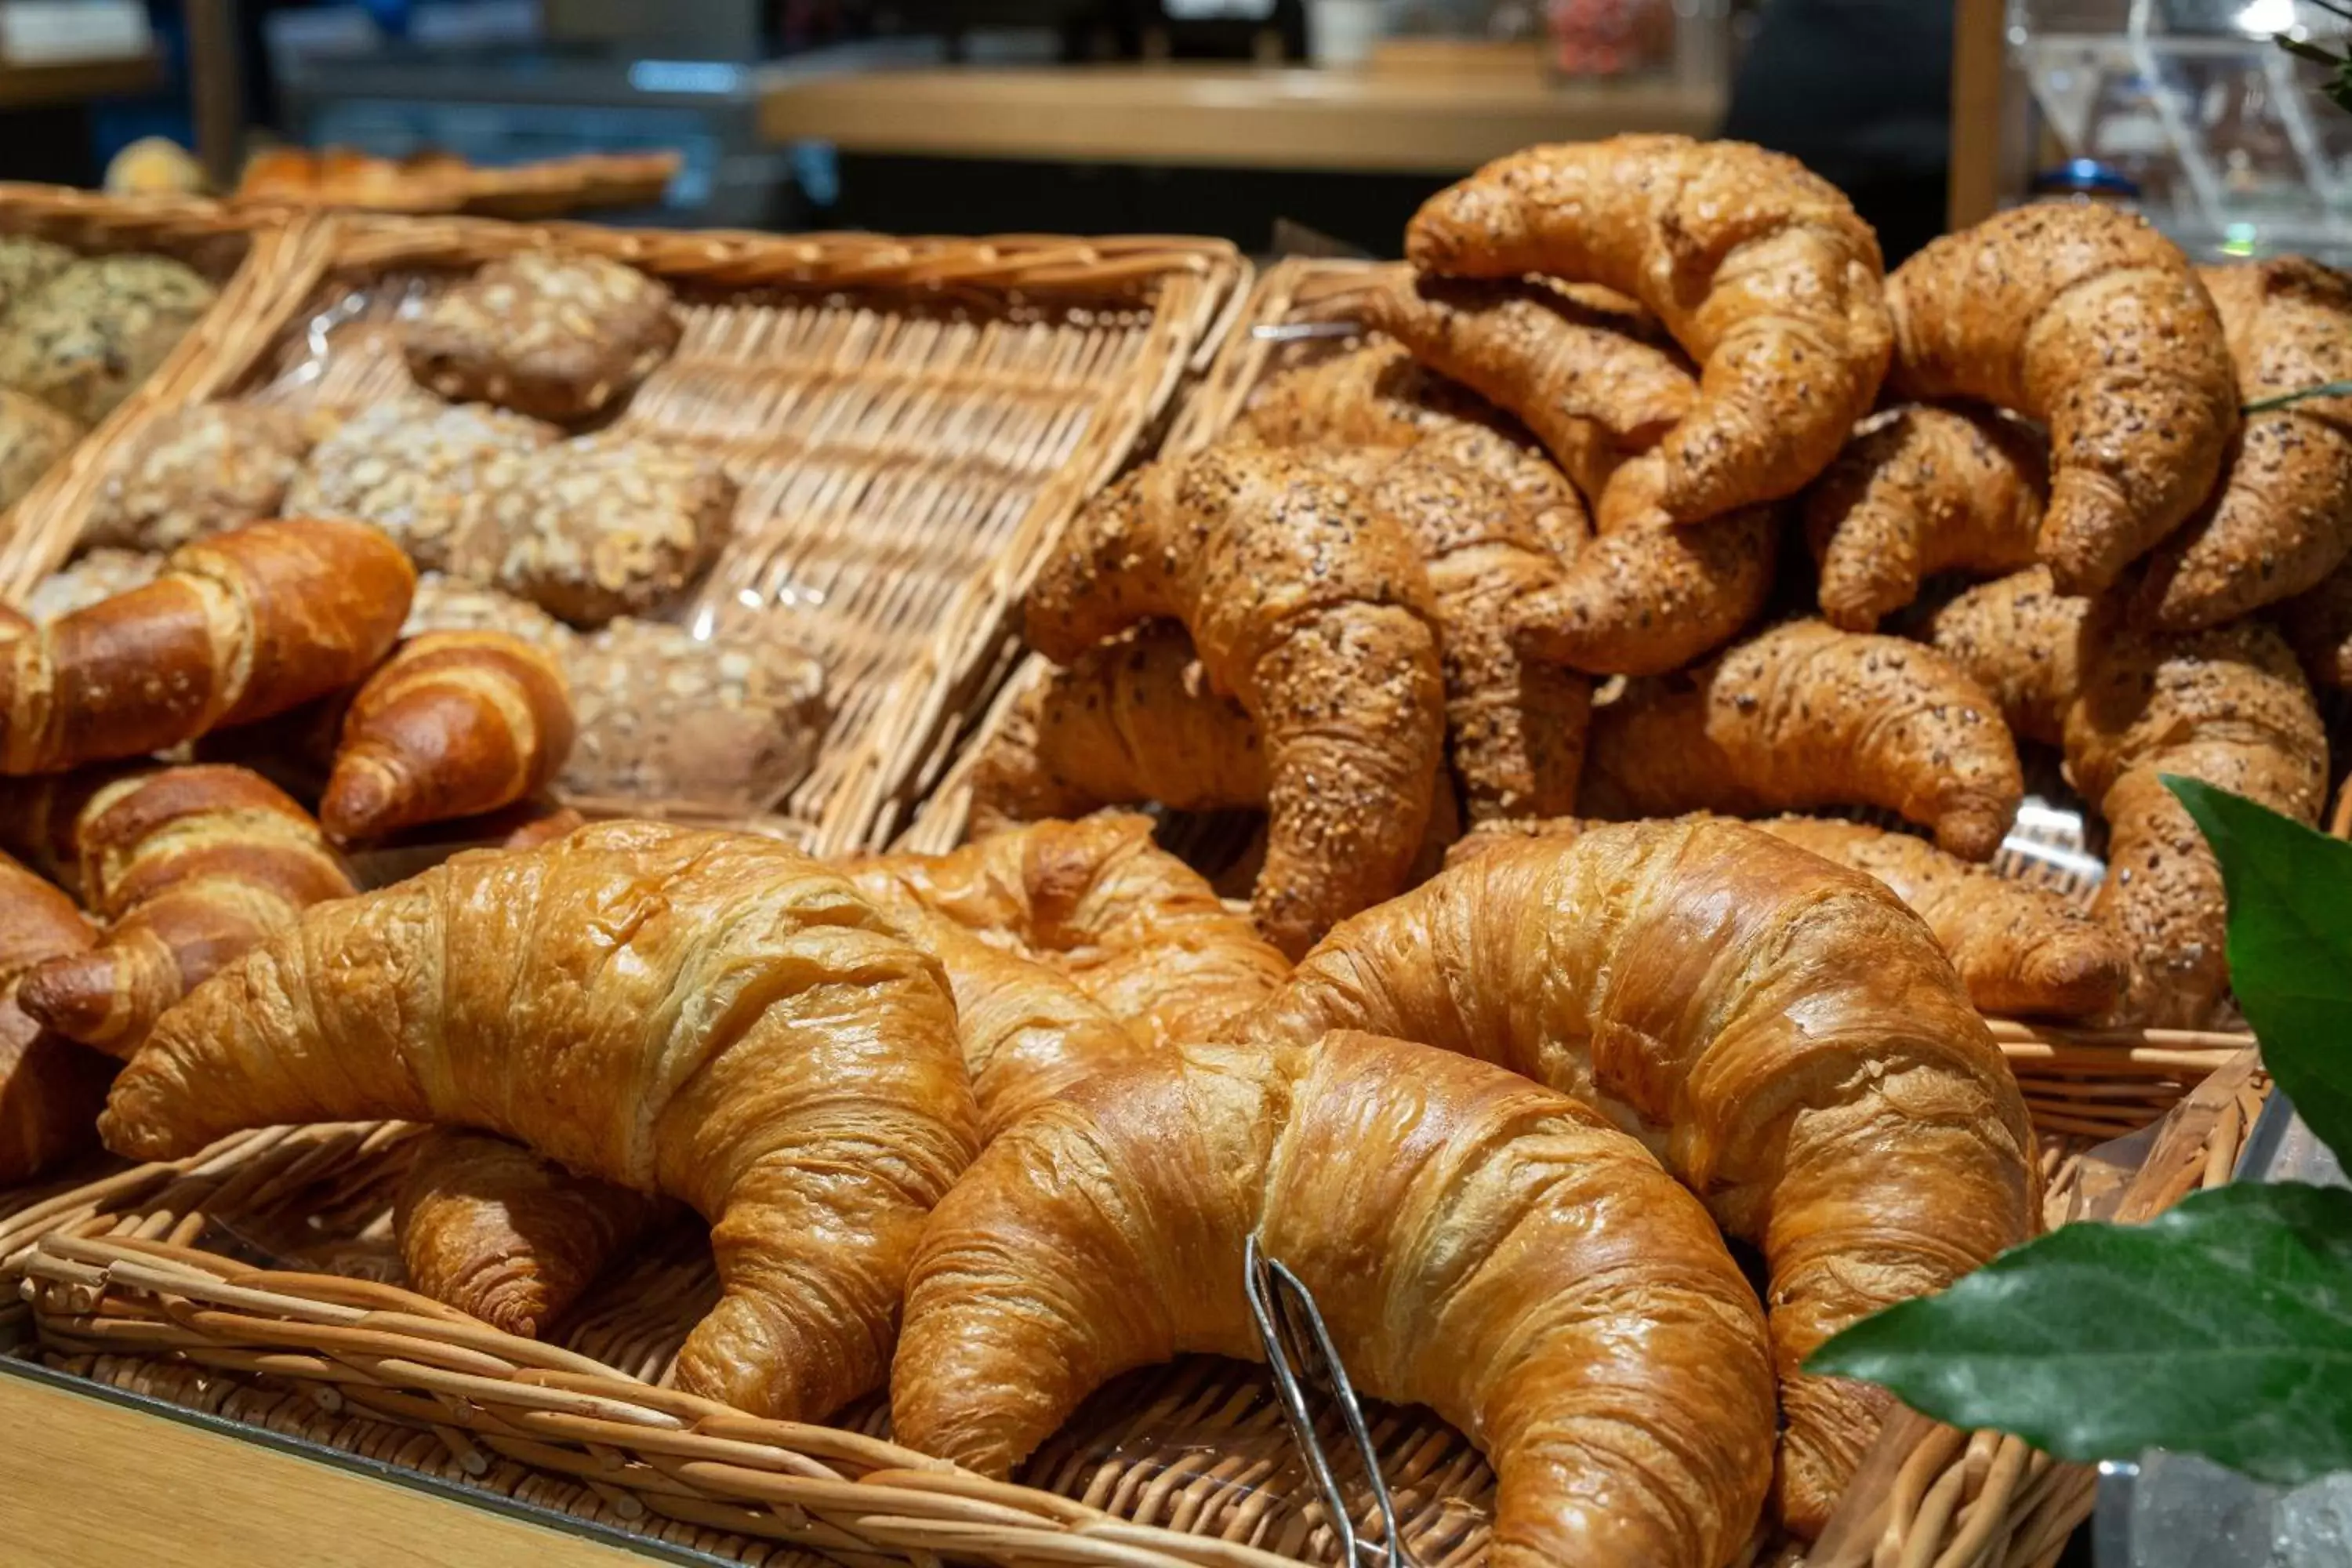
<point>84,341</point>
<point>27,263</point>
<point>603,526</point>
<point>196,471</point>
<point>407,467</point>
<point>550,333</point>
<point>32,436</point>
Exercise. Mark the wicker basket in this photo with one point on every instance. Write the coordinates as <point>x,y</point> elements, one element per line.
<point>910,421</point>
<point>243,254</point>
<point>286,1320</point>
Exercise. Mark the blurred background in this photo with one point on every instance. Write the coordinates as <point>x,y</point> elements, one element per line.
<point>1280,124</point>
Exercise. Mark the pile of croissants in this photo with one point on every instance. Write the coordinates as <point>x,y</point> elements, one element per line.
<point>1607,382</point>
<point>989,1128</point>
<point>277,645</point>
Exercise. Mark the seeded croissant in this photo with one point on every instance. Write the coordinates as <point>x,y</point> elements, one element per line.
<point>1760,268</point>
<point>2083,318</point>
<point>1805,715</point>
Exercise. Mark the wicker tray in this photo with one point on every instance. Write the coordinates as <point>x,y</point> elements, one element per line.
<point>243,254</point>
<point>910,421</point>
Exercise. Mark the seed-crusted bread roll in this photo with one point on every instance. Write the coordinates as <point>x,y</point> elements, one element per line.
<point>550,333</point>
<point>32,436</point>
<point>198,470</point>
<point>84,341</point>
<point>599,527</point>
<point>27,263</point>
<point>408,468</point>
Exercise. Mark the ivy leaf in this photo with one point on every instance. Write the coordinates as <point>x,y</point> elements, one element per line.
<point>2290,894</point>
<point>2223,1326</point>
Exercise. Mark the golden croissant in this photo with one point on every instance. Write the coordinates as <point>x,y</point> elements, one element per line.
<point>710,1015</point>
<point>1477,1244</point>
<point>1311,608</point>
<point>491,1228</point>
<point>2084,318</point>
<point>1933,489</point>
<point>1805,715</point>
<point>2281,519</point>
<point>1758,268</point>
<point>1590,386</point>
<point>1136,929</point>
<point>2018,948</point>
<point>1786,1034</point>
<point>1129,721</point>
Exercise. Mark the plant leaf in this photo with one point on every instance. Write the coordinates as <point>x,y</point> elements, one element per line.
<point>2289,893</point>
<point>2223,1326</point>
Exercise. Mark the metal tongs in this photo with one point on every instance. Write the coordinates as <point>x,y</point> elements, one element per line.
<point>1292,1333</point>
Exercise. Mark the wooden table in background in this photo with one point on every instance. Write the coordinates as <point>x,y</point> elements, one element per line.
<point>1218,116</point>
<point>87,1483</point>
<point>73,81</point>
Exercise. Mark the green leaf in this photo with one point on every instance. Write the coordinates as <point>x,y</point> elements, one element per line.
<point>2290,894</point>
<point>2303,51</point>
<point>2223,1326</point>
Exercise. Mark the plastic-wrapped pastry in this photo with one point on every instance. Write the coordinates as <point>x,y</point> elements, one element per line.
<point>32,436</point>
<point>556,335</point>
<point>408,467</point>
<point>198,470</point>
<point>84,341</point>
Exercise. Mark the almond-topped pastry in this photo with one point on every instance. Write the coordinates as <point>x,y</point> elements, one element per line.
<point>408,468</point>
<point>547,332</point>
<point>32,436</point>
<point>84,341</point>
<point>198,470</point>
<point>598,527</point>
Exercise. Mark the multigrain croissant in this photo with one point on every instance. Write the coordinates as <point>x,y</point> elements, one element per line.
<point>1932,489</point>
<point>1310,606</point>
<point>1805,715</point>
<point>2018,949</point>
<point>710,1015</point>
<point>1131,721</point>
<point>1477,1244</point>
<point>1138,930</point>
<point>2228,706</point>
<point>2318,622</point>
<point>491,1228</point>
<point>1645,601</point>
<point>454,724</point>
<point>2282,518</point>
<point>2083,318</point>
<point>188,866</point>
<point>1783,1030</point>
<point>51,1089</point>
<point>1594,392</point>
<point>1760,268</point>
<point>241,626</point>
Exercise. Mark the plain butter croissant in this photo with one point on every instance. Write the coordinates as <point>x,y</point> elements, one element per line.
<point>490,1228</point>
<point>188,867</point>
<point>240,626</point>
<point>2083,318</point>
<point>2018,949</point>
<point>1477,1244</point>
<point>1138,930</point>
<point>1786,1034</point>
<point>1805,715</point>
<point>51,1089</point>
<point>1310,606</point>
<point>711,1016</point>
<point>1758,268</point>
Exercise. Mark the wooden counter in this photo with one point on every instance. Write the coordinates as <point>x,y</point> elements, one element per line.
<point>88,1483</point>
<point>1215,116</point>
<point>72,81</point>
